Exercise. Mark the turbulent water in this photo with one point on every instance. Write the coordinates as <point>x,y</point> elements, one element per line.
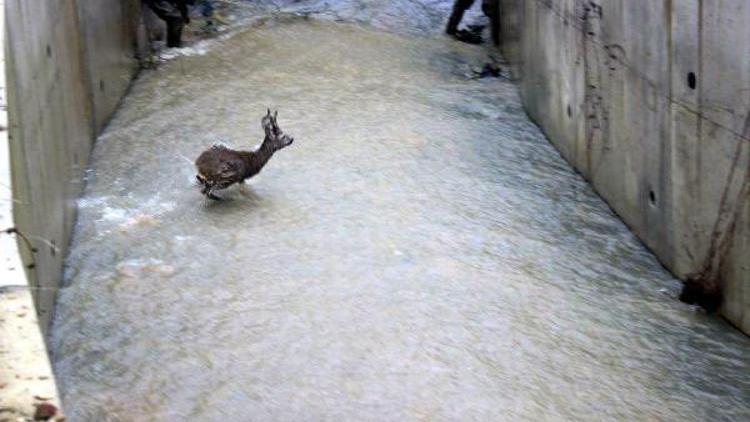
<point>417,17</point>
<point>421,252</point>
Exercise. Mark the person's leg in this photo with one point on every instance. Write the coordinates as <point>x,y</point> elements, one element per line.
<point>459,7</point>
<point>164,9</point>
<point>488,7</point>
<point>207,8</point>
<point>491,10</point>
<point>174,32</point>
<point>170,13</point>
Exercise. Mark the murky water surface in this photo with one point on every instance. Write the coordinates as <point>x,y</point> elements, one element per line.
<point>420,253</point>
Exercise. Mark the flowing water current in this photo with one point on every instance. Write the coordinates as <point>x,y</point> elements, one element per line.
<point>421,252</point>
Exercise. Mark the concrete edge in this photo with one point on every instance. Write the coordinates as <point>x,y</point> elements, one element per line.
<point>27,384</point>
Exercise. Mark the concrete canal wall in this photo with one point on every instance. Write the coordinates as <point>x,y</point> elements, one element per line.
<point>69,62</point>
<point>650,101</point>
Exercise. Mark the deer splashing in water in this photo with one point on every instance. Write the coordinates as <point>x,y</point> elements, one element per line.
<point>220,167</point>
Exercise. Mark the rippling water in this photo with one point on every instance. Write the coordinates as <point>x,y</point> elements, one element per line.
<point>416,17</point>
<point>420,253</point>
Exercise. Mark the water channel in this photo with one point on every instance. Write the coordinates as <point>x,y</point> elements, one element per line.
<point>421,252</point>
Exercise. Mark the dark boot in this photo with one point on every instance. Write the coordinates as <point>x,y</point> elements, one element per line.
<point>459,8</point>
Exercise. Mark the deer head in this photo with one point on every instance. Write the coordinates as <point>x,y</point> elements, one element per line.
<point>276,138</point>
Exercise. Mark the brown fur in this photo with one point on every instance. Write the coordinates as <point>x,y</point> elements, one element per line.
<point>220,167</point>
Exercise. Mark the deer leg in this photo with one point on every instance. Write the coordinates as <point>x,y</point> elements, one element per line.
<point>210,195</point>
<point>205,187</point>
<point>208,188</point>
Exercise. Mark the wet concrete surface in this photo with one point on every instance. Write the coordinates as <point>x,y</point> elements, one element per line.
<point>420,253</point>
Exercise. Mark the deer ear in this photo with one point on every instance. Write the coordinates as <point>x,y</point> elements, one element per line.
<point>269,112</point>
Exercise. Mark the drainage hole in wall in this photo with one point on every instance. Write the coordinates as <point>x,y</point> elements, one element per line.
<point>691,80</point>
<point>49,51</point>
<point>652,197</point>
<point>101,85</point>
<point>570,112</point>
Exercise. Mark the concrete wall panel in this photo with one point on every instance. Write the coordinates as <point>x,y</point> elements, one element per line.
<point>659,94</point>
<point>50,131</point>
<point>68,64</point>
<point>110,38</point>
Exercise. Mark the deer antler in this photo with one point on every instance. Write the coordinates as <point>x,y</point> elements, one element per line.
<point>269,123</point>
